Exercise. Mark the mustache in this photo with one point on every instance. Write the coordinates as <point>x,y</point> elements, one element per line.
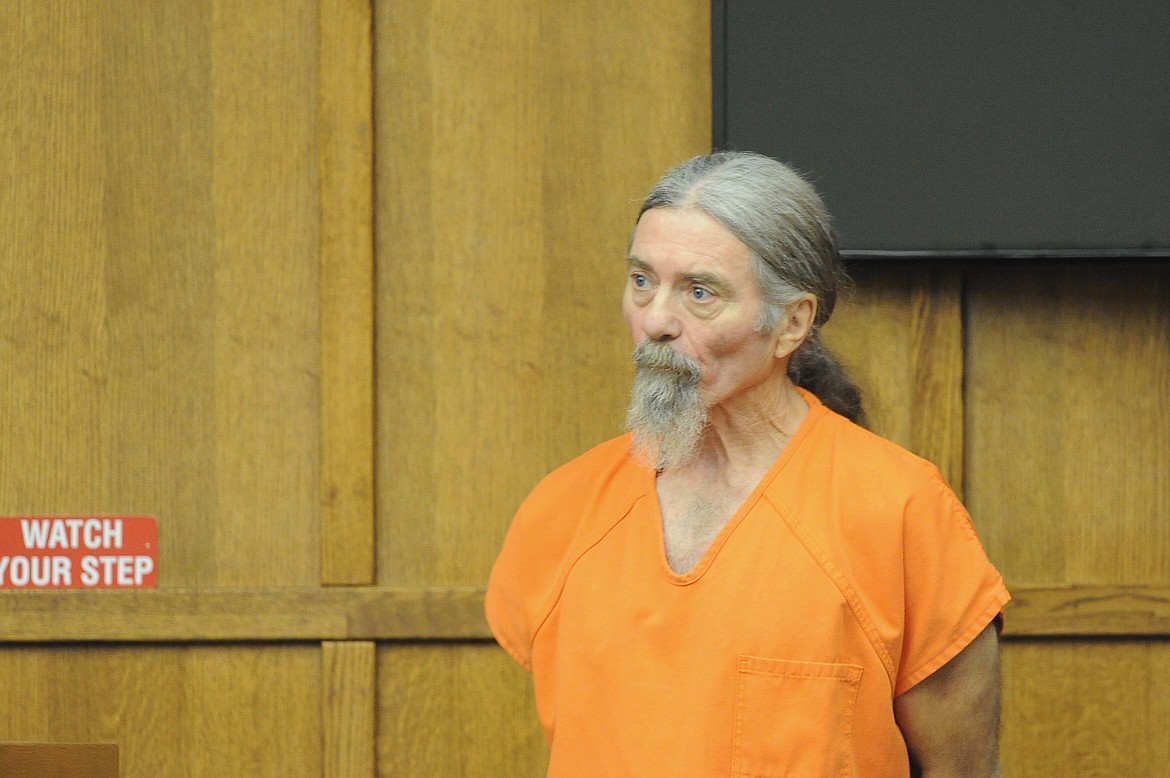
<point>652,355</point>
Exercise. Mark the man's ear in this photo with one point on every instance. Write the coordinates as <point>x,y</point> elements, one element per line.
<point>796,325</point>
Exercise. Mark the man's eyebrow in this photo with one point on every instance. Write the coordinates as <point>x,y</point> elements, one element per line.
<point>707,279</point>
<point>634,262</point>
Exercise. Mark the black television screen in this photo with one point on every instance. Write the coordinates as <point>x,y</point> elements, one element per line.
<point>999,126</point>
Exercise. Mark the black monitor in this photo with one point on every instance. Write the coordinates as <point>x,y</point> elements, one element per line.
<point>1038,127</point>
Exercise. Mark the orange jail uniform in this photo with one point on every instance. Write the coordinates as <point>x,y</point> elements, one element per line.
<point>849,574</point>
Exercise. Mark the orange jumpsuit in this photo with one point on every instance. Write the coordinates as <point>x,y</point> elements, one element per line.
<point>849,575</point>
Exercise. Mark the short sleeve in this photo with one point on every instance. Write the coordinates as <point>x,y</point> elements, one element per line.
<point>579,500</point>
<point>952,591</point>
<point>519,584</point>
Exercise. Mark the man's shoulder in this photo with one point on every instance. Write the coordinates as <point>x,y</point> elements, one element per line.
<point>854,446</point>
<point>868,482</point>
<point>609,465</point>
<point>566,512</point>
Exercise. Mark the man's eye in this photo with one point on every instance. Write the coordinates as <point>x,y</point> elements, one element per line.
<point>699,294</point>
<point>639,281</point>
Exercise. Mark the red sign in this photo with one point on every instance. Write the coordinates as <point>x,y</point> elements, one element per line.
<point>78,552</point>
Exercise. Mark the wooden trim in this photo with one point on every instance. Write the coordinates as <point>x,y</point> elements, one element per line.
<point>82,760</point>
<point>350,702</point>
<point>347,292</point>
<point>936,328</point>
<point>1088,611</point>
<point>215,615</point>
<point>385,614</point>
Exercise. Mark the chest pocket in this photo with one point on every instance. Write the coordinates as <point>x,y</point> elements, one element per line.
<point>793,718</point>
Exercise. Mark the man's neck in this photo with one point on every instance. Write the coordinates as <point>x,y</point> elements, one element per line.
<point>743,439</point>
<point>698,497</point>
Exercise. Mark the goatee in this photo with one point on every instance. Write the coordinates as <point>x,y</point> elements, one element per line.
<point>666,413</point>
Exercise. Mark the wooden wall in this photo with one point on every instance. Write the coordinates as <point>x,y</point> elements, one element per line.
<point>1069,471</point>
<point>327,285</point>
<point>161,354</point>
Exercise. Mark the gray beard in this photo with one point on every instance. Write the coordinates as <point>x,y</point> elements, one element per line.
<point>666,413</point>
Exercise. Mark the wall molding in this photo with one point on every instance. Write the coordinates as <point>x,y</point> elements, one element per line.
<point>397,614</point>
<point>1080,610</point>
<point>230,615</point>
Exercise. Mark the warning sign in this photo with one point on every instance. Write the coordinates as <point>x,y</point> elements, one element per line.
<point>78,552</point>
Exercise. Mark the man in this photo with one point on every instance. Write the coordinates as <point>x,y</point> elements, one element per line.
<point>751,583</point>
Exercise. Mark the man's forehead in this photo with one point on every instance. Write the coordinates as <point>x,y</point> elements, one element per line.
<point>687,238</point>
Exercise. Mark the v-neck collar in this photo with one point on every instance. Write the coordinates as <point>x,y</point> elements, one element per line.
<point>653,507</point>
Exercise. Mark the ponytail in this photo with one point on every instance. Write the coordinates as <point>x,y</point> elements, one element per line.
<point>815,368</point>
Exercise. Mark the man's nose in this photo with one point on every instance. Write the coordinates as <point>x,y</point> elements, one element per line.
<point>661,320</point>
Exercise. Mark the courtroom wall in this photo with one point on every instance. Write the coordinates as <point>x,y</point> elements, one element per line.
<point>327,286</point>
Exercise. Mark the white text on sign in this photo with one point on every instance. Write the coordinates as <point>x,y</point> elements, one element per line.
<point>105,552</point>
<point>57,571</point>
<point>71,533</point>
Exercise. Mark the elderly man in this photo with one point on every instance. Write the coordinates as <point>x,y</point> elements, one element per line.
<point>750,583</point>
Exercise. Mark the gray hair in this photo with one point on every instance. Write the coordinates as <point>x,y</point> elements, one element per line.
<point>780,217</point>
<point>775,213</point>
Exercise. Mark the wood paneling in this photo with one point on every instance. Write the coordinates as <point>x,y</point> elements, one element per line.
<point>460,280</point>
<point>1086,709</point>
<point>351,682</point>
<point>514,141</point>
<point>191,711</point>
<point>160,346</point>
<point>461,710</point>
<point>1068,397</point>
<point>52,307</point>
<point>157,398</point>
<point>1068,388</point>
<point>267,352</point>
<point>159,354</point>
<point>936,334</point>
<point>347,292</point>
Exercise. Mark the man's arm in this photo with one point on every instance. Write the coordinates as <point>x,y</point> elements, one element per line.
<point>951,719</point>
